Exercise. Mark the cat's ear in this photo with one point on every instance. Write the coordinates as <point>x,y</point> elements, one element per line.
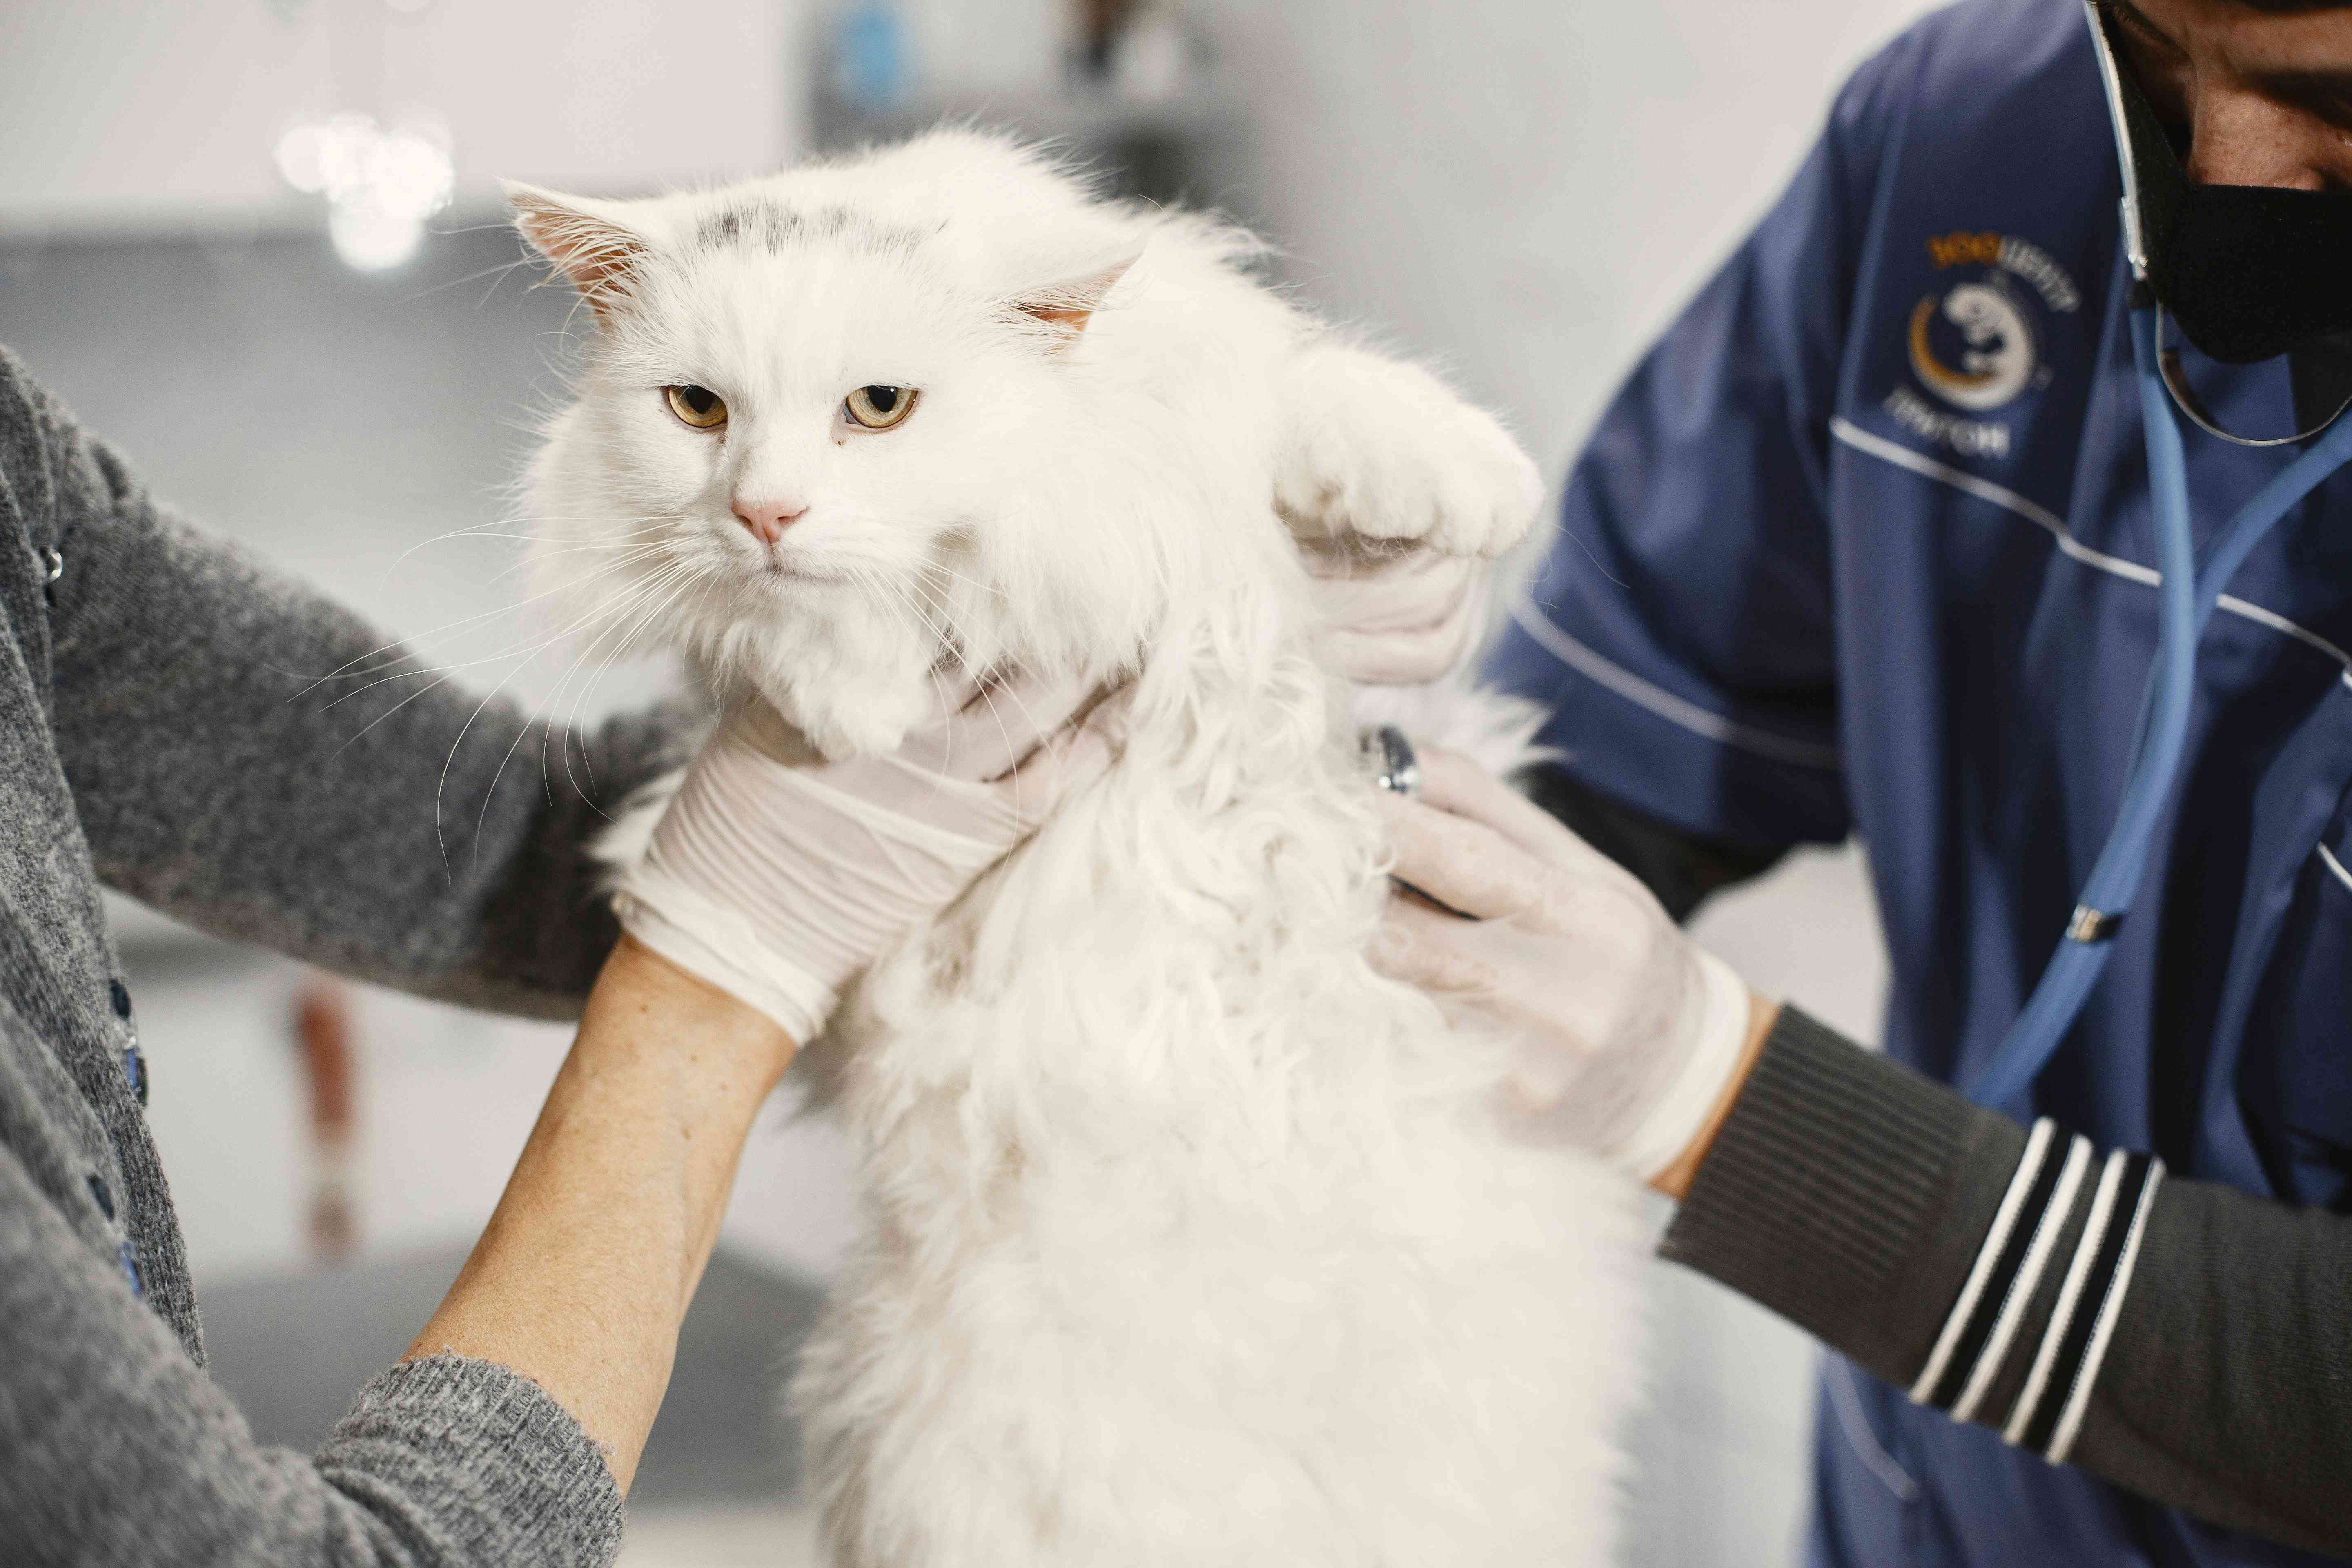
<point>585,241</point>
<point>1062,309</point>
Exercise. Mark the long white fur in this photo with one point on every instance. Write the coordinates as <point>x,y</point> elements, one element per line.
<point>1189,1238</point>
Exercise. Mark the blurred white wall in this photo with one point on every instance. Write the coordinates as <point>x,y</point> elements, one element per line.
<point>1525,190</point>
<point>159,114</point>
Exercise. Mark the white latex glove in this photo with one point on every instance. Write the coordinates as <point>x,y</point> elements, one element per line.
<point>1395,620</point>
<point>779,877</point>
<point>1627,1031</point>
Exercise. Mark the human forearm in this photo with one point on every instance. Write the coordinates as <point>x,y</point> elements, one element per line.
<point>1675,1181</point>
<point>1858,1200</point>
<point>585,1270</point>
<point>117,1450</point>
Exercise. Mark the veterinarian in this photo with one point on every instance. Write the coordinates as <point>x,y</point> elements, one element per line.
<point>151,741</point>
<point>1869,545</point>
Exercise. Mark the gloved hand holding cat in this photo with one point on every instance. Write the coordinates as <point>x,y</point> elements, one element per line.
<point>1395,619</point>
<point>1628,1032</point>
<point>777,876</point>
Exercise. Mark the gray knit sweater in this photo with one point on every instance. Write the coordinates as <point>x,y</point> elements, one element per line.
<point>160,733</point>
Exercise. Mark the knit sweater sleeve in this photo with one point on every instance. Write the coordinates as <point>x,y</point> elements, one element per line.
<point>251,758</point>
<point>120,1453</point>
<point>2183,1340</point>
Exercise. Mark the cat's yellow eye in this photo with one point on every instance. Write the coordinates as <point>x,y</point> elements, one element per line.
<point>696,405</point>
<point>879,407</point>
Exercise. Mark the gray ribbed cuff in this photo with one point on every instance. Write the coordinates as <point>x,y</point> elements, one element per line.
<point>1847,1194</point>
<point>511,1476</point>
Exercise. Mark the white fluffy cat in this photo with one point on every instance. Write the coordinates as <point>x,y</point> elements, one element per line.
<point>1190,1239</point>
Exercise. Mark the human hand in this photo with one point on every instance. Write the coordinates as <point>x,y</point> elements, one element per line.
<point>1628,1033</point>
<point>778,877</point>
<point>1395,619</point>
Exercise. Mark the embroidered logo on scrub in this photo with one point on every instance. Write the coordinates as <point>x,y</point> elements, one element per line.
<point>1997,355</point>
<point>1974,345</point>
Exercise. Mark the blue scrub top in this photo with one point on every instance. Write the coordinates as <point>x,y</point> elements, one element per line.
<point>1862,547</point>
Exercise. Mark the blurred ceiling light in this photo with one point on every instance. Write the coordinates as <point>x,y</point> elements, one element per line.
<point>381,185</point>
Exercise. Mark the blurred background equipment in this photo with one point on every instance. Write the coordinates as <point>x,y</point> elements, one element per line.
<point>1126,86</point>
<point>323,1041</point>
<point>258,244</point>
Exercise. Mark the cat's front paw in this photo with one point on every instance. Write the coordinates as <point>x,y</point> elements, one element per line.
<point>1383,451</point>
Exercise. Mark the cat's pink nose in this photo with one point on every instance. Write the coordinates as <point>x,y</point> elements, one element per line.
<point>767,520</point>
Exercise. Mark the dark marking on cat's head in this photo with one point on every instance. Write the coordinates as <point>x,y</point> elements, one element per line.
<point>751,224</point>
<point>774,228</point>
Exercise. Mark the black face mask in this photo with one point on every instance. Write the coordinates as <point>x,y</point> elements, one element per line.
<point>2247,272</point>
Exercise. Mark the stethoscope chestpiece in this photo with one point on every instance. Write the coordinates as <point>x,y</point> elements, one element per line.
<point>1394,766</point>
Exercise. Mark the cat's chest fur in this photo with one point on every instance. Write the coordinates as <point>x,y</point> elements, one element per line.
<point>1190,1240</point>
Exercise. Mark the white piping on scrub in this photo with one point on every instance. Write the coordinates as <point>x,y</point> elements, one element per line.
<point>1845,1401</point>
<point>1603,671</point>
<point>2009,501</point>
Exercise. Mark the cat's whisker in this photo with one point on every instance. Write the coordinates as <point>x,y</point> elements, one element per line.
<point>632,541</point>
<point>667,585</point>
<point>949,636</point>
<point>677,591</point>
<point>387,713</point>
<point>946,695</point>
<point>498,272</point>
<point>932,594</point>
<point>564,729</point>
<point>400,646</point>
<point>442,670</point>
<point>675,579</point>
<point>942,624</point>
<point>1005,731</point>
<point>647,521</point>
<point>441,786</point>
<point>512,650</point>
<point>947,571</point>
<point>484,530</point>
<point>644,621</point>
<point>446,673</point>
<point>527,659</point>
<point>625,554</point>
<point>945,634</point>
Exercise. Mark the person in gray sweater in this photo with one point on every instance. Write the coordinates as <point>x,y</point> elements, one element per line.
<point>164,732</point>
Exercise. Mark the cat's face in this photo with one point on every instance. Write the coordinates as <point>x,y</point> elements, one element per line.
<point>820,449</point>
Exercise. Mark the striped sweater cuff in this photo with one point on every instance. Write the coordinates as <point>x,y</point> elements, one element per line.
<point>1939,1245</point>
<point>2048,1412</point>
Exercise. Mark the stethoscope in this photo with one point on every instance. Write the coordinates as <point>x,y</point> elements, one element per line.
<point>2185,599</point>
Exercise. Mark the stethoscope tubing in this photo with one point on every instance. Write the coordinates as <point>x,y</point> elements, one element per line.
<point>2186,598</point>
